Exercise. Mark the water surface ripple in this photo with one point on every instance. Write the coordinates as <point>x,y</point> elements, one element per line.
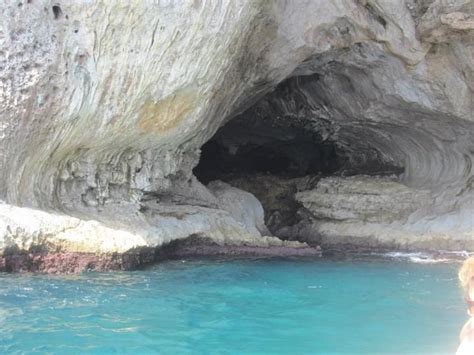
<point>241,306</point>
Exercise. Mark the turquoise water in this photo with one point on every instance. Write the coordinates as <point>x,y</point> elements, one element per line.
<point>235,307</point>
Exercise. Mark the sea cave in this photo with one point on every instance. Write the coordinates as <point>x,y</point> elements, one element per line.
<point>236,176</point>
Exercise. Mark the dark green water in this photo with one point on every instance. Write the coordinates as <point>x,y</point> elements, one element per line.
<point>233,307</point>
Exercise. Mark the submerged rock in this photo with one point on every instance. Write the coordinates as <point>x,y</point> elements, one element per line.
<point>104,109</point>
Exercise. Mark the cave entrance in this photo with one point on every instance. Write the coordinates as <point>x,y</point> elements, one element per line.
<point>272,159</point>
<point>287,142</point>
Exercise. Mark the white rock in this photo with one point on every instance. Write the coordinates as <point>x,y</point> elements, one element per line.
<point>242,206</point>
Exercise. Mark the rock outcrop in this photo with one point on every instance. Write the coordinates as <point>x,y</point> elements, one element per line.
<point>104,107</point>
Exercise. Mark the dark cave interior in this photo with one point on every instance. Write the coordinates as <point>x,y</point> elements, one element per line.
<point>243,148</point>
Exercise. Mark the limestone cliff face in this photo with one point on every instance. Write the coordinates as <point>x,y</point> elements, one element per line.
<point>104,106</point>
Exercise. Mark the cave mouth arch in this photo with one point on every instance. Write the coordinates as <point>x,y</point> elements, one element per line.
<point>286,143</point>
<point>297,130</point>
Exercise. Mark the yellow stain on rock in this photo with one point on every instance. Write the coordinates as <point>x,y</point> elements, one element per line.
<point>165,114</point>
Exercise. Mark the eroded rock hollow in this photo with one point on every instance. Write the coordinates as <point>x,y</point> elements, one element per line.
<point>124,127</point>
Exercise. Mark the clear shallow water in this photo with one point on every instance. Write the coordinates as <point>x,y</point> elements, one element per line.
<point>239,306</point>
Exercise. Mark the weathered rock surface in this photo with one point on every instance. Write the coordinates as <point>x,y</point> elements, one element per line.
<point>362,198</point>
<point>379,212</point>
<point>241,205</point>
<point>104,107</point>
